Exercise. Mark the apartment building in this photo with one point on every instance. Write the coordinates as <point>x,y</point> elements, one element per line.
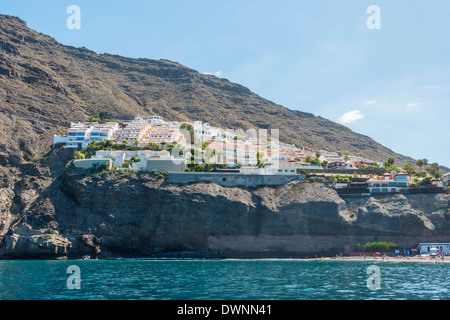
<point>104,131</point>
<point>76,137</point>
<point>136,131</point>
<point>389,183</point>
<point>164,135</point>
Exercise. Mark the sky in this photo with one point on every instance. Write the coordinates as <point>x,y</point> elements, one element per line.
<point>383,73</point>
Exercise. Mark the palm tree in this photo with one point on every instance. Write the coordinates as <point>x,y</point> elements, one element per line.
<point>434,169</point>
<point>420,164</point>
<point>409,168</point>
<point>136,143</point>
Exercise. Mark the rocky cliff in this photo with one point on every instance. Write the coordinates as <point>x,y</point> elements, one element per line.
<point>108,215</point>
<point>48,211</point>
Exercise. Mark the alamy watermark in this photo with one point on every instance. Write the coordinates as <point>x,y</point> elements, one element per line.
<point>374,281</point>
<point>74,20</point>
<point>374,21</point>
<point>74,280</point>
<point>233,146</point>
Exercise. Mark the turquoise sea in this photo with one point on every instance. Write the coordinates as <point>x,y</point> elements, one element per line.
<point>220,280</point>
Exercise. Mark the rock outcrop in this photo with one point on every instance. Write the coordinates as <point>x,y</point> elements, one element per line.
<point>107,215</point>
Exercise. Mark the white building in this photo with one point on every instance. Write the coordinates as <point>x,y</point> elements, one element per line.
<point>437,183</point>
<point>434,247</point>
<point>104,132</point>
<point>293,168</point>
<point>144,161</point>
<point>156,120</point>
<point>77,136</point>
<point>81,134</point>
<point>446,180</point>
<point>389,184</point>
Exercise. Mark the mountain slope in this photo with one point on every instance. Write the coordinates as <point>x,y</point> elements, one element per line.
<point>45,85</point>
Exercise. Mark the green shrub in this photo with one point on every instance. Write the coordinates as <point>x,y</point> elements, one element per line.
<point>79,155</point>
<point>380,246</point>
<point>103,167</point>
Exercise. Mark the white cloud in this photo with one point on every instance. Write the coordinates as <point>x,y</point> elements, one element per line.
<point>217,74</point>
<point>369,102</point>
<point>413,105</point>
<point>350,117</point>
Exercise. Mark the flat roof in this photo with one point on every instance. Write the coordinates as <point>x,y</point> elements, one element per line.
<point>434,243</point>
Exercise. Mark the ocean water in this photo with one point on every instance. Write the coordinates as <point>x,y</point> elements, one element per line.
<point>222,280</point>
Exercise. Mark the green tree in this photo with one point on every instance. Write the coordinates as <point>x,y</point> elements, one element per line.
<point>136,145</point>
<point>433,169</point>
<point>391,160</point>
<point>409,169</point>
<point>420,164</point>
<point>260,159</point>
<point>79,155</point>
<point>94,118</point>
<point>205,145</point>
<point>153,146</point>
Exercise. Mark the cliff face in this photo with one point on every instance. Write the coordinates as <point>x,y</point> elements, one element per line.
<point>118,215</point>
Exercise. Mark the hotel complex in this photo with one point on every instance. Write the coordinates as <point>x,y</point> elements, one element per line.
<point>224,149</point>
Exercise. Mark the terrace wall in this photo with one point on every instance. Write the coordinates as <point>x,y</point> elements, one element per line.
<point>233,179</point>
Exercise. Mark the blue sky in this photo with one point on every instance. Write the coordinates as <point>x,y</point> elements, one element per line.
<point>392,83</point>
